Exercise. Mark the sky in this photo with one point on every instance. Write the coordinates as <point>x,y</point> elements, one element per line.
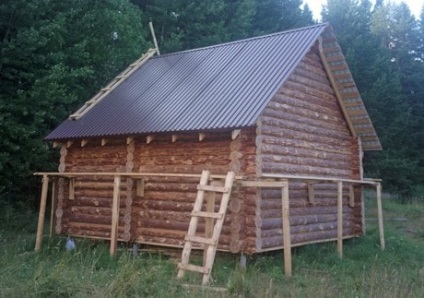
<point>414,5</point>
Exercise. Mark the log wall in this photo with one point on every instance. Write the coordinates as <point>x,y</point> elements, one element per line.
<point>89,213</point>
<point>303,132</point>
<point>162,213</point>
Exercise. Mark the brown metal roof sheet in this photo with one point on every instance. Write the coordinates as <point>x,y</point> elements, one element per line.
<point>218,87</point>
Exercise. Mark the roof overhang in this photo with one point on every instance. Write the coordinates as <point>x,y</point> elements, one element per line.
<point>346,91</point>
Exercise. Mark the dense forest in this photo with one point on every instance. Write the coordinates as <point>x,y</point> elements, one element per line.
<point>54,55</point>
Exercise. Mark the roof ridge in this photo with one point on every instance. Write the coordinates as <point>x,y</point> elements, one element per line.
<point>242,40</point>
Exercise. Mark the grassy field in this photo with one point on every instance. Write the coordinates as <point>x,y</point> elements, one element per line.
<point>88,271</point>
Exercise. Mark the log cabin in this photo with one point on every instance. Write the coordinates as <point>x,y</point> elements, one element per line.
<point>279,106</point>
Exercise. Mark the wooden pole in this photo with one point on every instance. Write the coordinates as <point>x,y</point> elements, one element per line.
<point>152,30</point>
<point>286,230</point>
<point>209,222</point>
<point>115,216</point>
<point>41,215</point>
<point>340,218</point>
<point>53,205</point>
<point>380,216</point>
<point>72,189</point>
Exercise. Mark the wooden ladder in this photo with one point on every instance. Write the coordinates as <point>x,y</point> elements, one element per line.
<point>209,242</point>
<point>112,85</point>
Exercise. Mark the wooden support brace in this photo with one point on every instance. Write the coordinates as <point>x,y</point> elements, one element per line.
<point>340,218</point>
<point>69,144</point>
<point>174,138</point>
<point>235,133</point>
<point>207,214</point>
<point>53,205</point>
<point>311,193</point>
<point>276,184</point>
<point>201,137</point>
<point>149,139</point>
<point>380,217</point>
<point>140,187</point>
<point>203,240</point>
<point>71,189</point>
<point>351,196</point>
<point>286,230</point>
<point>209,222</point>
<point>55,144</point>
<point>130,140</point>
<point>115,215</point>
<point>84,142</point>
<point>213,188</point>
<point>42,213</point>
<point>104,141</point>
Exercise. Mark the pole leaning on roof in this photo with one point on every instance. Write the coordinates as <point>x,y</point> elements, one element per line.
<point>154,37</point>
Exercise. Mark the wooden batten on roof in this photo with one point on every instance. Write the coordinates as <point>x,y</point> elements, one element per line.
<point>113,84</point>
<point>346,91</point>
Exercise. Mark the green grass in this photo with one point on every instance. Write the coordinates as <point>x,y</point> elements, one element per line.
<point>88,271</point>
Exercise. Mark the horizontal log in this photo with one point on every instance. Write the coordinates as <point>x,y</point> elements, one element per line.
<point>304,117</point>
<point>330,152</point>
<point>170,186</point>
<point>302,237</point>
<point>274,223</point>
<point>301,229</point>
<point>322,112</point>
<point>309,161</point>
<point>218,170</point>
<point>278,123</point>
<point>312,72</point>
<point>321,97</point>
<point>93,219</point>
<point>75,226</point>
<point>173,242</point>
<point>163,205</point>
<point>313,82</point>
<point>98,193</point>
<point>95,201</point>
<point>190,150</point>
<point>288,169</point>
<point>174,197</point>
<point>90,210</point>
<point>300,94</point>
<point>170,216</point>
<point>322,142</point>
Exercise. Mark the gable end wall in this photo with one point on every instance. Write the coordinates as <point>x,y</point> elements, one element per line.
<point>302,132</point>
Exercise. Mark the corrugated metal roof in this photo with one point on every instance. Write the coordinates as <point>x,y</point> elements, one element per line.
<point>218,87</point>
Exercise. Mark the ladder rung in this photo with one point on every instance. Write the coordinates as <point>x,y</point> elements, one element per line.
<point>203,240</point>
<point>195,268</point>
<point>213,188</point>
<point>207,214</point>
